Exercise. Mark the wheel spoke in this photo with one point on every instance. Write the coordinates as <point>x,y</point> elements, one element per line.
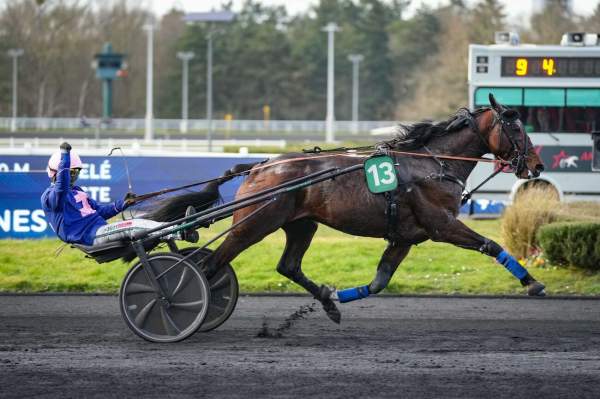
<point>185,278</point>
<point>220,283</point>
<point>168,323</point>
<point>137,288</point>
<point>190,306</point>
<point>140,319</point>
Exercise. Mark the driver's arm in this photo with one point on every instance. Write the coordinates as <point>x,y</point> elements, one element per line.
<point>109,210</point>
<point>61,186</point>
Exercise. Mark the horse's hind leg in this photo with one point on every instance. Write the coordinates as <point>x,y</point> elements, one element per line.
<point>391,258</point>
<point>299,234</point>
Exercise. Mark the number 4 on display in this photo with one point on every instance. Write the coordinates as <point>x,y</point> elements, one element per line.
<point>548,66</point>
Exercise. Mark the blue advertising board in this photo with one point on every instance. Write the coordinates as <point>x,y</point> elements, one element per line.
<point>23,180</point>
<point>483,208</point>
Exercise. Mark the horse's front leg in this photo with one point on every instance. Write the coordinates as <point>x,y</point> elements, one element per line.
<point>391,258</point>
<point>299,235</point>
<point>455,232</point>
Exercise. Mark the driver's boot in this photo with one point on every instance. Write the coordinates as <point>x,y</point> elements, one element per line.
<point>190,234</point>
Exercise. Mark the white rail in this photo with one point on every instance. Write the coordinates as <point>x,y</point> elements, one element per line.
<point>279,128</point>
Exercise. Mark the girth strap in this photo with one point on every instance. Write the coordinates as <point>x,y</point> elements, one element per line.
<point>391,212</point>
<point>391,208</point>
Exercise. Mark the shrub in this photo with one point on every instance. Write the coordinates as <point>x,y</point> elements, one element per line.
<point>576,244</point>
<point>532,208</point>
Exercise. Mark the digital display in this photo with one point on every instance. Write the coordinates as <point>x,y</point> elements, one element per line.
<point>550,67</point>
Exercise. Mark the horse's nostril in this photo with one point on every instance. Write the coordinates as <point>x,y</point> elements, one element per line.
<point>539,167</point>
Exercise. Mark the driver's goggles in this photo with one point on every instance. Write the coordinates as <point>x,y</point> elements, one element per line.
<point>74,173</point>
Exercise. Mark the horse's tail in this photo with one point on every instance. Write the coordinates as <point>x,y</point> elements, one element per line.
<point>174,208</point>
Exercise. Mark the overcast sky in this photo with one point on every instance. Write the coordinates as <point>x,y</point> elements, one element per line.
<point>516,9</point>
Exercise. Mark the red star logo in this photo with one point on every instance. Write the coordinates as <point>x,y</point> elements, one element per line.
<point>556,158</point>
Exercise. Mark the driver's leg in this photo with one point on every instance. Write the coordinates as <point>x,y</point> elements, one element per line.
<point>124,230</point>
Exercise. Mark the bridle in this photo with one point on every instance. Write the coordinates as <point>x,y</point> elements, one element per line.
<point>508,119</point>
<point>508,123</point>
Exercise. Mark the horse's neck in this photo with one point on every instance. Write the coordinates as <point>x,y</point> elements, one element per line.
<point>463,143</point>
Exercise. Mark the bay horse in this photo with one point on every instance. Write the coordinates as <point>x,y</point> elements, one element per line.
<point>423,207</point>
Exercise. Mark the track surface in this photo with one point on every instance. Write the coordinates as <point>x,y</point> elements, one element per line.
<point>78,346</point>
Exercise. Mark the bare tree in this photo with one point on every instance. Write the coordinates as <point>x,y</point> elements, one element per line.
<point>442,81</point>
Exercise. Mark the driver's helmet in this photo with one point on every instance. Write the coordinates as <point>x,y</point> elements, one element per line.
<point>54,160</point>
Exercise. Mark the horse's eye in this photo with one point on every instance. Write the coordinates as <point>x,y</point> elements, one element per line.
<point>510,115</point>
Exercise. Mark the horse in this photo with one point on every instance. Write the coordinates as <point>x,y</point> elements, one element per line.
<point>423,207</point>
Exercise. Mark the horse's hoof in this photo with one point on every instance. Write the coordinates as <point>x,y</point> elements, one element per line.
<point>326,295</point>
<point>332,312</point>
<point>536,289</point>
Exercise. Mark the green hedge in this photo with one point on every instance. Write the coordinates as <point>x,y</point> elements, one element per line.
<point>576,244</point>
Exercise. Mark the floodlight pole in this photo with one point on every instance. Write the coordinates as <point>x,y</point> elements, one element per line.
<point>355,59</point>
<point>185,57</point>
<point>209,92</point>
<point>210,18</point>
<point>15,54</point>
<point>149,131</point>
<point>330,28</point>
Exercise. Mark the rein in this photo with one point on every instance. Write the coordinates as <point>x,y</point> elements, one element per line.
<point>365,151</point>
<point>453,157</point>
<point>143,197</point>
<point>468,194</point>
<point>350,153</point>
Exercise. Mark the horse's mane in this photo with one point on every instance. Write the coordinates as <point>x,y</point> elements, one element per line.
<point>417,135</point>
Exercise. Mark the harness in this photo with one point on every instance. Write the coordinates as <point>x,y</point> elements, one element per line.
<point>391,211</point>
<point>508,121</point>
<point>506,117</point>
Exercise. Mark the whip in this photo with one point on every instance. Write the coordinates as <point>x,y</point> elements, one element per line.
<point>126,167</point>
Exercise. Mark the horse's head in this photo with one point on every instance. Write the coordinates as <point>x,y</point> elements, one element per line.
<point>507,140</point>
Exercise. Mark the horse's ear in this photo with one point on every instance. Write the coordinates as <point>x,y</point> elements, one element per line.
<point>494,104</point>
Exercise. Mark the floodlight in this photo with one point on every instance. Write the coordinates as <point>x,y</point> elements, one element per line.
<point>212,16</point>
<point>209,17</point>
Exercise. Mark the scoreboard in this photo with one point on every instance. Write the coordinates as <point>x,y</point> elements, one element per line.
<point>557,90</point>
<point>549,66</point>
<point>526,65</point>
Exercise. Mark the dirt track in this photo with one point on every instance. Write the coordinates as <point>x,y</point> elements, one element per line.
<point>78,346</point>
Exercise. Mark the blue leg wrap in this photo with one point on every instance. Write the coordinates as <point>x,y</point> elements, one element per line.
<point>352,294</point>
<point>512,265</point>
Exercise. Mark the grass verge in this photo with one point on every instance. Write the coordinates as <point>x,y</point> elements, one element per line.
<point>334,258</point>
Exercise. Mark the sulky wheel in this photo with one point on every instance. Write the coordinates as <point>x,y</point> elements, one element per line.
<point>173,317</point>
<point>223,291</point>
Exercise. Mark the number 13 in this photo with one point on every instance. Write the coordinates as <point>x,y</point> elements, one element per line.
<point>387,171</point>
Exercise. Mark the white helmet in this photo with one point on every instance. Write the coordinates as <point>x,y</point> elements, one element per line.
<point>54,160</point>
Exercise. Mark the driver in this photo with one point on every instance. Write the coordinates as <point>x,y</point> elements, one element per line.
<point>78,219</point>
